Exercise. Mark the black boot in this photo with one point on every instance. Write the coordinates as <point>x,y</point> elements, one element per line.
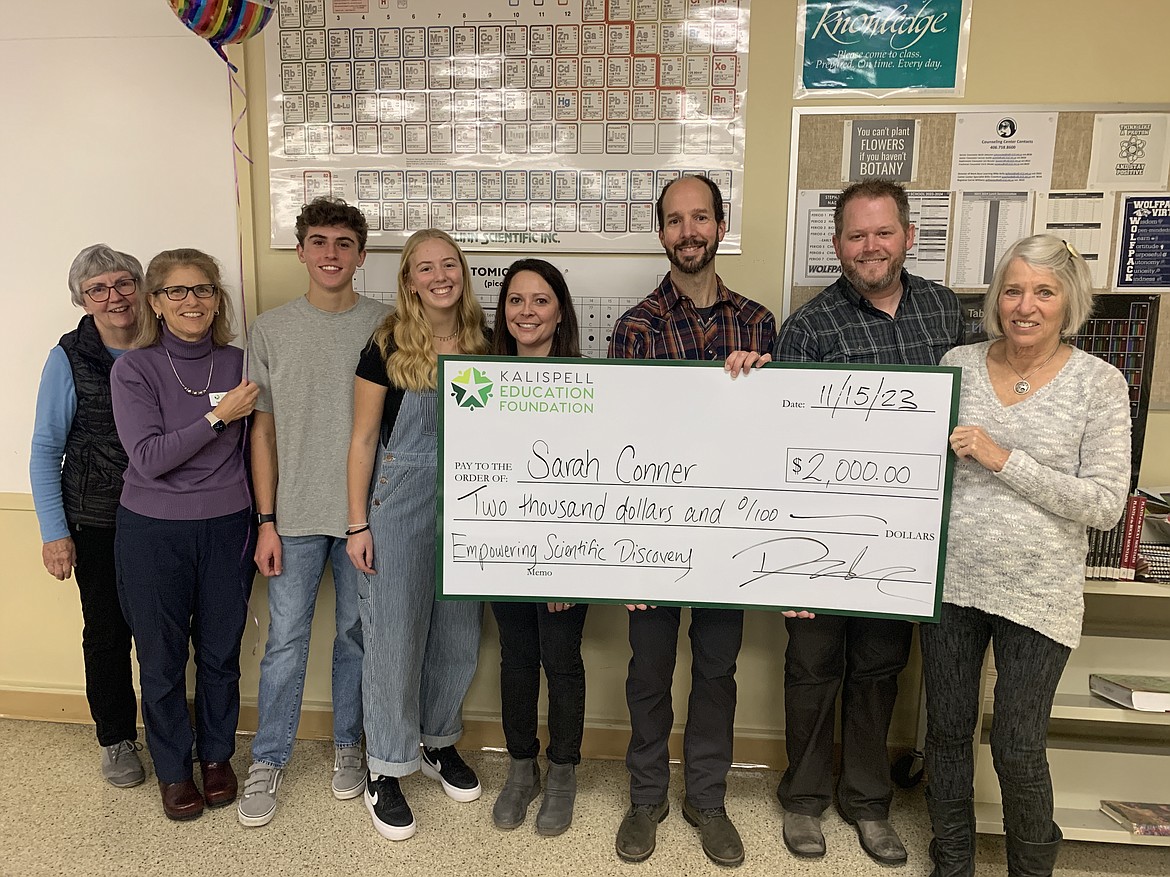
<point>953,848</point>
<point>1026,859</point>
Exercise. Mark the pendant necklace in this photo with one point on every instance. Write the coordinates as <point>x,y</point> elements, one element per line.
<point>450,337</point>
<point>187,389</point>
<point>1022,386</point>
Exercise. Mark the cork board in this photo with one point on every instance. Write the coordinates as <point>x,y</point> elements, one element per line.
<point>818,135</point>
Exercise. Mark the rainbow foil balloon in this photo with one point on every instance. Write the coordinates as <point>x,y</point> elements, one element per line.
<point>221,22</point>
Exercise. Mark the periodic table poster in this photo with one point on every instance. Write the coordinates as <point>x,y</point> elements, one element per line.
<point>514,125</point>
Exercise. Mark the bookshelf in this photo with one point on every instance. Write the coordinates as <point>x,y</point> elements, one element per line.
<point>1092,708</point>
<point>1096,749</point>
<point>1122,331</point>
<point>1127,589</point>
<point>1091,825</point>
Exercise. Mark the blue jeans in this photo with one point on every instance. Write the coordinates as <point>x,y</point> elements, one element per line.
<point>292,598</point>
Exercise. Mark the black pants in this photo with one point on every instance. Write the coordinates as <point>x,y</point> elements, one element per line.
<point>861,657</point>
<point>716,635</point>
<point>1028,666</point>
<point>180,582</point>
<point>531,636</point>
<point>105,637</point>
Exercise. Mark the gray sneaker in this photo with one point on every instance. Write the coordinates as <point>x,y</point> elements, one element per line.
<point>258,803</point>
<point>121,765</point>
<point>349,772</point>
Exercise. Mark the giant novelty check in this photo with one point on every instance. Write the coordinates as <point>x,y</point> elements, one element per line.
<point>820,487</point>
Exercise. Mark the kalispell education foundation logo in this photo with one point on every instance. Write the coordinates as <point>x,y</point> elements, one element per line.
<point>471,389</point>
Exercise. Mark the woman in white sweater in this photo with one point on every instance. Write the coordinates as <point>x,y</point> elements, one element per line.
<point>1043,447</point>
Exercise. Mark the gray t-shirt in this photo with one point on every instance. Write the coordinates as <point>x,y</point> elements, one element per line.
<point>303,360</point>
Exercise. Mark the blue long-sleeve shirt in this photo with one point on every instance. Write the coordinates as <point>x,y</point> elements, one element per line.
<point>56,408</point>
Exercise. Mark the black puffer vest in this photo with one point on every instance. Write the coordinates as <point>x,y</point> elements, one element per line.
<point>91,478</point>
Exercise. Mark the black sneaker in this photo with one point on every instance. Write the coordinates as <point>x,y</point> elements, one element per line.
<point>388,808</point>
<point>445,765</point>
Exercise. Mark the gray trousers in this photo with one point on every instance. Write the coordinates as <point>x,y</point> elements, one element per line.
<point>1028,666</point>
<point>715,635</point>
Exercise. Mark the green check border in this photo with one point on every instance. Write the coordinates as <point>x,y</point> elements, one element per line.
<point>455,359</point>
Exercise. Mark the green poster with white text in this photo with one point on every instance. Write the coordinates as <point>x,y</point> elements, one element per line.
<point>880,48</point>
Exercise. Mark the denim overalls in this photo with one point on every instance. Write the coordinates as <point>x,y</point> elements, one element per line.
<point>420,652</point>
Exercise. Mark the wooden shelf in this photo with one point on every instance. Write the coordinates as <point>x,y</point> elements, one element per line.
<point>1092,825</point>
<point>1127,589</point>
<point>1089,707</point>
<point>1098,749</point>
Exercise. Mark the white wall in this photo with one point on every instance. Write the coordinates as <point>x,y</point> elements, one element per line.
<point>116,126</point>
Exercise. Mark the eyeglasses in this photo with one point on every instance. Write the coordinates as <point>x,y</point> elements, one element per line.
<point>178,293</point>
<point>100,292</point>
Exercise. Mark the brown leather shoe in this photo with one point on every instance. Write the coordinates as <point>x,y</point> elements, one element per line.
<point>181,800</point>
<point>219,783</point>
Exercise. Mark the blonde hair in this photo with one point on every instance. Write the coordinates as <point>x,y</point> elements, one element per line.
<point>1047,253</point>
<point>404,338</point>
<point>222,326</point>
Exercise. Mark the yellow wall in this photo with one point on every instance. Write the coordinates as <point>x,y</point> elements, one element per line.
<point>1071,52</point>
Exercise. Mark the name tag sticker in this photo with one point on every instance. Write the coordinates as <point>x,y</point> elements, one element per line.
<point>215,398</point>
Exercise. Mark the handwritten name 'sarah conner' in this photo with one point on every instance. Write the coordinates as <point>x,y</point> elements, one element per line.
<point>544,465</point>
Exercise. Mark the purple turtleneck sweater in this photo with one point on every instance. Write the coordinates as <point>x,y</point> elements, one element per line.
<point>180,468</point>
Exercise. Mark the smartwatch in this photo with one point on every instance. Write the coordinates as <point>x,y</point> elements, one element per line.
<point>262,519</point>
<point>216,424</point>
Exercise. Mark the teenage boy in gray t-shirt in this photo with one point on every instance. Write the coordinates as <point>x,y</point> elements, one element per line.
<point>302,355</point>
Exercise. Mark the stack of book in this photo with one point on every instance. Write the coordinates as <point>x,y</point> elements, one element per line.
<point>1113,554</point>
<point>1157,561</point>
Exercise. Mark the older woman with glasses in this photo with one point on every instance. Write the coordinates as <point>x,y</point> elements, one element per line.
<point>76,470</point>
<point>1043,451</point>
<point>183,545</point>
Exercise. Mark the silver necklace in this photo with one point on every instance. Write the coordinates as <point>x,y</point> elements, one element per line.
<point>1022,386</point>
<point>187,389</point>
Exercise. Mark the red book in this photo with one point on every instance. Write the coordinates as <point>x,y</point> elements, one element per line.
<point>1135,513</point>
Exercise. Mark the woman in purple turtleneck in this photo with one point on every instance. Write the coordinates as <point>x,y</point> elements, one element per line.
<point>184,525</point>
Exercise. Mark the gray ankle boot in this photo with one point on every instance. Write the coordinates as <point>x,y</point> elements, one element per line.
<point>556,810</point>
<point>520,790</point>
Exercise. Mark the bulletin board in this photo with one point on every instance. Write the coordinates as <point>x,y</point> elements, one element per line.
<point>818,138</point>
